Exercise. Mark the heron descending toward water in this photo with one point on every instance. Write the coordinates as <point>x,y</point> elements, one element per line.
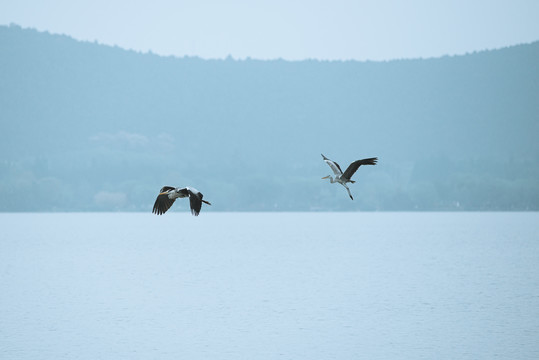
<point>343,178</point>
<point>169,194</point>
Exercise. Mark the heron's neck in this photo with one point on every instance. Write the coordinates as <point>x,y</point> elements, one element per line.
<point>331,180</point>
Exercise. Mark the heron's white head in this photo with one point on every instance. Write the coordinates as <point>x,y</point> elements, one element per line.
<point>328,177</point>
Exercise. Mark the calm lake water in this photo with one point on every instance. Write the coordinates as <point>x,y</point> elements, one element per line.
<point>269,286</point>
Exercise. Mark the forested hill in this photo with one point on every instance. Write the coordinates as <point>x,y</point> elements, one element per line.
<point>89,127</point>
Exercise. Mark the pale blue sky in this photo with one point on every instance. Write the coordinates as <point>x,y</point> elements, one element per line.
<point>288,29</point>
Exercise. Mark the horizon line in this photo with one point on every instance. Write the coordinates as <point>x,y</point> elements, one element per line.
<point>230,57</point>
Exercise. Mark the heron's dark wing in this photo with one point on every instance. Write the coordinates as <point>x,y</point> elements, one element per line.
<point>195,201</point>
<point>333,165</point>
<point>162,204</point>
<point>166,188</point>
<point>352,168</point>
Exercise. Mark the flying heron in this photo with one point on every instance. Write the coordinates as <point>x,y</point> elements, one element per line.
<point>169,194</point>
<point>346,177</point>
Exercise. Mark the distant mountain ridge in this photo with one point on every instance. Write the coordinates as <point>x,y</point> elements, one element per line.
<point>94,127</point>
<point>33,31</point>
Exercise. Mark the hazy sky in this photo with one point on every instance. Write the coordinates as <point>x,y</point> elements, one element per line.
<point>288,29</point>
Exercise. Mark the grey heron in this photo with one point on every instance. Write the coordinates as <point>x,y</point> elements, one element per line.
<point>346,177</point>
<point>169,194</point>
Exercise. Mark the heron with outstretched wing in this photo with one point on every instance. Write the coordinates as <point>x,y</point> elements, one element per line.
<point>346,177</point>
<point>169,194</point>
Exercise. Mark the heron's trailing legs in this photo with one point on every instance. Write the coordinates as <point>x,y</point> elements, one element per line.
<point>349,193</point>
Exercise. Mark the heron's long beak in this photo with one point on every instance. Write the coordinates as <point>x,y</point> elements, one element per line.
<point>325,177</point>
<point>206,202</point>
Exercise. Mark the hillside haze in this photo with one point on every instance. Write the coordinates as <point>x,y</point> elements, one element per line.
<point>88,127</point>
